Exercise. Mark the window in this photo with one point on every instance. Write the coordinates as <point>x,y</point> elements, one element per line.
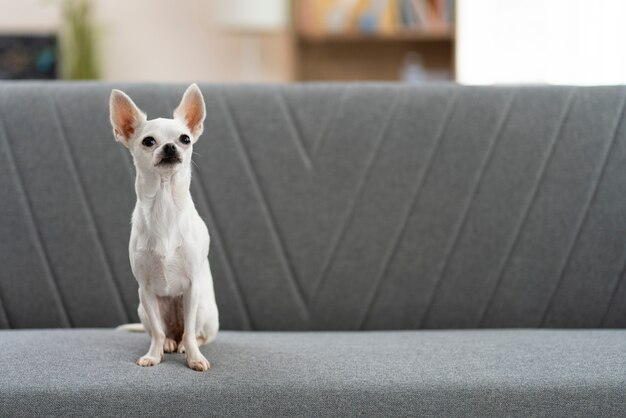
<point>541,41</point>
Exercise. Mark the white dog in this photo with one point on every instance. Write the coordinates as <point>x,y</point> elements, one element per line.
<point>169,242</point>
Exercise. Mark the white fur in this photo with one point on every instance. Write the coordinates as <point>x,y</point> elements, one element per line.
<point>131,328</point>
<point>169,242</point>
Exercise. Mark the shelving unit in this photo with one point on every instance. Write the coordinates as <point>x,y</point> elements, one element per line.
<point>320,55</point>
<point>444,35</point>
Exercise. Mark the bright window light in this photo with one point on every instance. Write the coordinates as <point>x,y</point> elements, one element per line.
<point>576,42</point>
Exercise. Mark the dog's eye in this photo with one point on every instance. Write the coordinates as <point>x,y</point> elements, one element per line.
<point>148,141</point>
<point>185,139</point>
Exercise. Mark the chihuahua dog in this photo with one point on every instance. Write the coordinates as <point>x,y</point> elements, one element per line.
<point>169,242</point>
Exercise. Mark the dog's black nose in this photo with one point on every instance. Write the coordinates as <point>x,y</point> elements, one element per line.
<point>169,150</point>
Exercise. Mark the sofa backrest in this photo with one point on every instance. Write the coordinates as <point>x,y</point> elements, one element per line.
<point>358,206</point>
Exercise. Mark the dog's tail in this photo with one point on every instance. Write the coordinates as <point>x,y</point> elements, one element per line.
<point>131,328</point>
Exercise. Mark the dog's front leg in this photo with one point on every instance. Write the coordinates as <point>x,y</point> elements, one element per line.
<point>195,359</point>
<point>151,306</point>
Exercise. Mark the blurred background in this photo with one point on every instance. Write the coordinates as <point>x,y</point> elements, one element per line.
<point>413,41</point>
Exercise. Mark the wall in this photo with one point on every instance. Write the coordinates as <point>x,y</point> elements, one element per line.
<point>165,40</point>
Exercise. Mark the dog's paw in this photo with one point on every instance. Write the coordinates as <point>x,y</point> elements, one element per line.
<point>147,361</point>
<point>181,346</point>
<point>200,365</point>
<point>169,346</point>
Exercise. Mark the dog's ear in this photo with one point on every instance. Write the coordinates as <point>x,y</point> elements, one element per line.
<point>125,116</point>
<point>191,110</point>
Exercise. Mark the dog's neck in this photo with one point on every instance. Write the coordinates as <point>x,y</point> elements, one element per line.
<point>154,189</point>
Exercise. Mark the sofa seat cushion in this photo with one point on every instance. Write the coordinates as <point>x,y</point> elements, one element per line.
<point>478,372</point>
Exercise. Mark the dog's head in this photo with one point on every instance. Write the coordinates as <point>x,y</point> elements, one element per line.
<point>158,145</point>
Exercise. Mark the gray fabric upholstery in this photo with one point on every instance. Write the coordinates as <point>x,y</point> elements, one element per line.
<point>331,206</point>
<point>401,373</point>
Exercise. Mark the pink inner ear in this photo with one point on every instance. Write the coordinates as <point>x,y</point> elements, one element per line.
<point>191,110</point>
<point>193,116</point>
<point>128,127</point>
<point>125,118</point>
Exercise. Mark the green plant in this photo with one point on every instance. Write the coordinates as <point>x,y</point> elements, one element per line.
<point>78,41</point>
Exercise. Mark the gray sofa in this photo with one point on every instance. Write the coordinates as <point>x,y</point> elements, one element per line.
<point>377,250</point>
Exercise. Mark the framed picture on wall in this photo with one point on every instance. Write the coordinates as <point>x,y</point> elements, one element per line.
<point>28,56</point>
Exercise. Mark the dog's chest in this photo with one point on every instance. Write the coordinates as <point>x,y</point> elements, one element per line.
<point>161,253</point>
<point>165,275</point>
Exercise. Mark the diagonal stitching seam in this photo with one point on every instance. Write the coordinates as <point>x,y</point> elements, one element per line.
<point>583,219</point>
<point>330,121</point>
<point>268,215</point>
<point>533,196</point>
<point>128,162</point>
<point>88,208</point>
<point>466,209</point>
<point>405,218</point>
<point>352,204</point>
<point>35,231</point>
<point>204,195</point>
<point>4,312</point>
<point>228,262</point>
<point>618,282</point>
<point>295,134</point>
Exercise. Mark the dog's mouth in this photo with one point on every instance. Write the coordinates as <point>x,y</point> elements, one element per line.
<point>169,160</point>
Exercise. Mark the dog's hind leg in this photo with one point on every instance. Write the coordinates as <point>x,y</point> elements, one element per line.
<point>171,309</point>
<point>208,322</point>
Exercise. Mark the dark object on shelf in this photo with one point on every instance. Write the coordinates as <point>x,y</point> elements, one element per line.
<point>28,57</point>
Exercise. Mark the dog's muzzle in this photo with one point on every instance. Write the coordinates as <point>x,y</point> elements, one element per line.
<point>169,155</point>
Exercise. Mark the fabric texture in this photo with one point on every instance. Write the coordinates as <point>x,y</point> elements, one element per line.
<point>557,373</point>
<point>331,206</point>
